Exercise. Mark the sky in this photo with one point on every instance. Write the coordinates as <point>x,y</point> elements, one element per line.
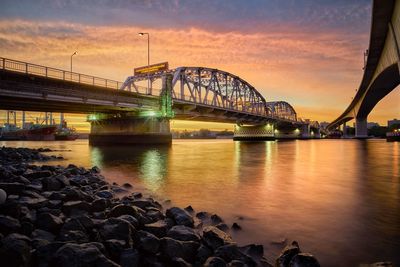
<point>308,53</point>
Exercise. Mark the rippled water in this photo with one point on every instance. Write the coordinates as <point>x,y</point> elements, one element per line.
<point>339,198</point>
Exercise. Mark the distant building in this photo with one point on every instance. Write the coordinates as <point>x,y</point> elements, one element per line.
<point>393,122</point>
<point>372,124</point>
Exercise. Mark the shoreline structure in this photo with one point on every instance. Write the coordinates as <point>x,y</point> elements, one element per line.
<point>71,216</point>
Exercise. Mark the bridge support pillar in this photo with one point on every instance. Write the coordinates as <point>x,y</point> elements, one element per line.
<point>305,131</point>
<point>361,128</point>
<point>344,130</point>
<point>254,133</point>
<point>130,131</point>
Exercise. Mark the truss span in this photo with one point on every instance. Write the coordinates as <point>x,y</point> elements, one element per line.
<point>282,109</point>
<point>218,89</point>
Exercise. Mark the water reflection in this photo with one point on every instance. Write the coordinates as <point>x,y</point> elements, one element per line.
<point>146,163</point>
<point>339,198</point>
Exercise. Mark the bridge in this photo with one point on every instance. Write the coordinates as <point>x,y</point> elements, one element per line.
<point>381,71</point>
<point>126,112</point>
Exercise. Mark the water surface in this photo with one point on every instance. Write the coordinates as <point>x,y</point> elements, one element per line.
<point>340,199</point>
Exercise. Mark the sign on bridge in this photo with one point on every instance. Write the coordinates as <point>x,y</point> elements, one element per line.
<point>151,69</point>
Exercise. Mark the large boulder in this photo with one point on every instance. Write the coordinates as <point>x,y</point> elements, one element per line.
<point>81,255</point>
<point>172,248</point>
<point>123,210</point>
<point>180,216</point>
<point>215,238</point>
<point>231,252</point>
<point>15,250</point>
<point>304,260</point>
<point>114,228</point>
<point>183,233</point>
<point>147,242</point>
<point>214,262</point>
<point>8,225</point>
<point>129,258</point>
<point>287,254</point>
<point>159,228</point>
<point>49,222</point>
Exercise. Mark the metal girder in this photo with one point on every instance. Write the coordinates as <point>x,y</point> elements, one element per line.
<point>217,89</point>
<point>282,110</point>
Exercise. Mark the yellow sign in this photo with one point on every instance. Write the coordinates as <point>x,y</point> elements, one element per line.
<point>151,68</point>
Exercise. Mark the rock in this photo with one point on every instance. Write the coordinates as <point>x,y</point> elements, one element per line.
<point>202,215</point>
<point>222,227</point>
<point>146,203</point>
<point>15,250</point>
<point>180,216</point>
<point>236,263</point>
<point>75,206</point>
<point>3,196</point>
<point>214,262</point>
<point>203,253</point>
<point>127,185</point>
<point>27,228</point>
<point>253,250</point>
<point>137,195</point>
<point>183,233</point>
<point>236,227</point>
<point>47,221</point>
<point>189,209</point>
<point>215,238</point>
<point>11,189</point>
<point>45,251</point>
<point>74,236</point>
<point>158,228</point>
<point>115,247</point>
<point>100,204</point>
<point>42,234</point>
<point>179,262</point>
<point>231,252</point>
<point>33,202</point>
<point>129,258</point>
<point>304,260</point>
<point>79,255</point>
<point>105,194</point>
<point>215,219</point>
<point>172,248</point>
<point>9,225</point>
<point>123,210</point>
<point>114,228</point>
<point>147,242</point>
<point>287,254</point>
<point>132,220</point>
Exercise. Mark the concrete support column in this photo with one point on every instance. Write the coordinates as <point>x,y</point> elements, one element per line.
<point>130,131</point>
<point>305,130</point>
<point>361,128</point>
<point>344,130</point>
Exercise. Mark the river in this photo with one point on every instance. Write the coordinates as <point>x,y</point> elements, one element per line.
<point>340,199</point>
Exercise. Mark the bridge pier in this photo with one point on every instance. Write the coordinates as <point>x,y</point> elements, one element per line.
<point>361,128</point>
<point>254,132</point>
<point>130,131</point>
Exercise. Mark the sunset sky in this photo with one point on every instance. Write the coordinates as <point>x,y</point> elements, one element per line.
<point>308,53</point>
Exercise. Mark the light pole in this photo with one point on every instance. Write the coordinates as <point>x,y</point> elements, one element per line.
<point>71,60</point>
<point>148,57</point>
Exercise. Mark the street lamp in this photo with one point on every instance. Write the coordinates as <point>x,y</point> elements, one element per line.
<point>148,45</point>
<point>148,57</point>
<point>71,59</point>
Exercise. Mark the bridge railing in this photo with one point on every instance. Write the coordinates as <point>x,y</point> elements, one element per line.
<point>28,68</point>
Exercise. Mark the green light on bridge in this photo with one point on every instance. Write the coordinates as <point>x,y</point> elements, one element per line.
<point>92,117</point>
<point>150,113</point>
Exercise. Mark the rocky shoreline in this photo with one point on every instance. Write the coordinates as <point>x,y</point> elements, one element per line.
<point>71,216</point>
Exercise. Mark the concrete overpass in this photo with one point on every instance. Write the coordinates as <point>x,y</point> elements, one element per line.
<point>381,72</point>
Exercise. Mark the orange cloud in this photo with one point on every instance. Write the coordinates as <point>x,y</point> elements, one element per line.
<point>311,71</point>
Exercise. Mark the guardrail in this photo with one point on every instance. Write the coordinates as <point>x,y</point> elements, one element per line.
<point>28,68</point>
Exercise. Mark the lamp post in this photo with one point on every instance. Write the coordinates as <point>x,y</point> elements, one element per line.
<point>71,60</point>
<point>148,57</point>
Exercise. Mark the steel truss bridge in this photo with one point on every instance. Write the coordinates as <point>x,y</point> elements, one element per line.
<point>197,93</point>
<point>217,91</point>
